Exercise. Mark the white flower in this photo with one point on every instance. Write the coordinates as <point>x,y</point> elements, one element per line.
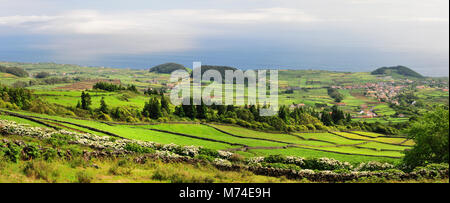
<point>222,162</point>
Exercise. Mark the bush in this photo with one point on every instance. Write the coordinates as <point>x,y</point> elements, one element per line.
<point>31,151</point>
<point>208,152</point>
<point>13,152</point>
<point>41,170</point>
<point>133,147</point>
<point>84,177</point>
<point>275,159</point>
<point>430,133</point>
<point>119,170</point>
<point>49,154</point>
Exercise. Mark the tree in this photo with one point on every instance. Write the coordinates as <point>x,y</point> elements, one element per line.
<point>430,133</point>
<point>179,111</point>
<point>202,110</point>
<point>103,106</point>
<point>326,118</point>
<point>85,100</point>
<point>152,109</point>
<point>189,109</point>
<point>283,113</point>
<point>165,103</point>
<point>221,110</point>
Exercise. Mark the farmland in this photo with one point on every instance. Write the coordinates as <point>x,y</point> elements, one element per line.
<point>249,142</point>
<point>367,132</point>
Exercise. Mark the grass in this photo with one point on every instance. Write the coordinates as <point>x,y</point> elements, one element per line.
<point>272,136</point>
<point>208,132</point>
<point>329,137</point>
<point>21,120</point>
<point>110,171</point>
<point>319,154</point>
<point>202,131</point>
<point>386,140</point>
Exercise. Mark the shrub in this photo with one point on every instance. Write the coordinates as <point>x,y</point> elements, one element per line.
<point>374,166</point>
<point>31,151</point>
<point>49,154</point>
<point>275,159</point>
<point>13,152</point>
<point>119,170</point>
<point>208,152</point>
<point>41,170</point>
<point>84,177</point>
<point>133,147</point>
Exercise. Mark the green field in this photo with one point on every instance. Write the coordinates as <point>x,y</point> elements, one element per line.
<point>260,143</point>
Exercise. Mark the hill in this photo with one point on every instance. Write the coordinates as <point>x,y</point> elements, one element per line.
<point>221,69</point>
<point>19,72</point>
<point>400,70</point>
<point>167,68</point>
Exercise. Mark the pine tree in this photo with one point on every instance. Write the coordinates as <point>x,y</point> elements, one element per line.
<point>155,108</point>
<point>283,113</point>
<point>165,103</point>
<point>189,109</point>
<point>103,106</point>
<point>326,118</point>
<point>85,100</point>
<point>201,111</point>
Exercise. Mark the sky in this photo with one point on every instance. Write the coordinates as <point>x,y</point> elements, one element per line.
<point>342,35</point>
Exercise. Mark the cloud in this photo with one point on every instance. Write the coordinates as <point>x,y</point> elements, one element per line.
<point>91,32</point>
<point>382,24</point>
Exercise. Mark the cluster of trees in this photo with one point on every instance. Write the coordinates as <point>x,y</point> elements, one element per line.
<point>19,72</point>
<point>86,101</point>
<point>335,94</point>
<point>431,134</point>
<point>334,116</point>
<point>110,87</point>
<point>156,108</point>
<point>154,91</point>
<point>20,97</point>
<point>42,75</point>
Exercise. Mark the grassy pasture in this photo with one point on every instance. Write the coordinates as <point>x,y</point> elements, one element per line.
<point>20,120</point>
<point>387,140</point>
<point>319,154</point>
<point>113,99</point>
<point>208,132</point>
<point>271,136</point>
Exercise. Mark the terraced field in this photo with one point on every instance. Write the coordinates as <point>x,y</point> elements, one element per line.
<point>379,139</point>
<point>345,146</point>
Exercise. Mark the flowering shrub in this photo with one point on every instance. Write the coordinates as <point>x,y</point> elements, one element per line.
<point>222,162</point>
<point>191,151</point>
<point>295,160</point>
<point>255,160</point>
<point>166,154</point>
<point>326,164</point>
<point>224,154</point>
<point>374,166</point>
